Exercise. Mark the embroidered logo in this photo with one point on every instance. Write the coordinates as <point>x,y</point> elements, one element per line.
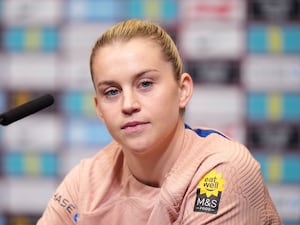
<point>76,217</point>
<point>209,193</point>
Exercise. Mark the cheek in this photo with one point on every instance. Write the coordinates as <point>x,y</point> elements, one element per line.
<point>109,112</point>
<point>165,101</point>
<point>106,112</point>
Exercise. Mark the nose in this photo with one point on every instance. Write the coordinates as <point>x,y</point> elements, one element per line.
<point>130,102</point>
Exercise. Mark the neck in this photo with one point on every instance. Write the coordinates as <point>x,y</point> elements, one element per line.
<point>151,169</point>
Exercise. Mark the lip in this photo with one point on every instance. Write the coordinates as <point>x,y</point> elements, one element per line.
<point>134,126</point>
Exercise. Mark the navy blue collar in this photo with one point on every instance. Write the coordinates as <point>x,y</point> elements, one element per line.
<point>204,133</point>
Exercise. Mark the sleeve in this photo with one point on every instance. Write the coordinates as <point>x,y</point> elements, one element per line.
<point>62,207</point>
<point>230,191</point>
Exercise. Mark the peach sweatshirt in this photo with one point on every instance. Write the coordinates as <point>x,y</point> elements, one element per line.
<point>214,181</point>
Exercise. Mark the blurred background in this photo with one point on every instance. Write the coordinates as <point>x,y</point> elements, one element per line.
<point>244,56</point>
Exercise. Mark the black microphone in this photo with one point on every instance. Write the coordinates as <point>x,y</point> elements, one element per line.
<point>26,109</point>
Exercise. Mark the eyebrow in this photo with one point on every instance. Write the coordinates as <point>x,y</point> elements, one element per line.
<point>136,76</point>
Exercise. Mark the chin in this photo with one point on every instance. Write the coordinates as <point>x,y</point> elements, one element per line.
<point>139,150</point>
<point>138,147</point>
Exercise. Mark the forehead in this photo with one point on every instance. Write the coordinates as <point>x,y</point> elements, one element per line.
<point>128,51</point>
<point>122,60</point>
<point>135,43</point>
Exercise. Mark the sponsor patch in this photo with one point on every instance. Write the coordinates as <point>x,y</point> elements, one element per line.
<point>76,217</point>
<point>64,203</point>
<point>209,193</point>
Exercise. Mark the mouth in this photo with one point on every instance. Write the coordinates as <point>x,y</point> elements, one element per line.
<point>134,126</point>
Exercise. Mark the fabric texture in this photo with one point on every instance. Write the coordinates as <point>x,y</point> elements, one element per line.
<point>214,181</point>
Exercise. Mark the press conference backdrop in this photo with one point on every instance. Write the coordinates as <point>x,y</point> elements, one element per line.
<point>244,57</point>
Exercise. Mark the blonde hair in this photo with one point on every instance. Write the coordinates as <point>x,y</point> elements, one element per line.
<point>127,30</point>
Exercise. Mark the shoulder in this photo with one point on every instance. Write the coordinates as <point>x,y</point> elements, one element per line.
<point>205,150</point>
<point>96,175</point>
<point>226,174</point>
<point>104,159</point>
<point>229,159</point>
<point>97,165</point>
<point>217,148</point>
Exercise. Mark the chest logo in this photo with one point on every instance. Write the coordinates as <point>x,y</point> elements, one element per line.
<point>209,193</point>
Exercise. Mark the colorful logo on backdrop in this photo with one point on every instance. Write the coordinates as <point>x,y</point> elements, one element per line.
<point>209,193</point>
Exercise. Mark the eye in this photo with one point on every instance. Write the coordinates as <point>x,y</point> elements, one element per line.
<point>111,92</point>
<point>145,84</point>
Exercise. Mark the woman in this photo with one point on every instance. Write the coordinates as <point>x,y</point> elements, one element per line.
<point>157,170</point>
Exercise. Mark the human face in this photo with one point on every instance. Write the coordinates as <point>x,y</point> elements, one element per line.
<point>137,96</point>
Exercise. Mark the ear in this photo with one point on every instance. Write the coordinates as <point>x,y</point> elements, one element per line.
<point>98,110</point>
<point>186,89</point>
